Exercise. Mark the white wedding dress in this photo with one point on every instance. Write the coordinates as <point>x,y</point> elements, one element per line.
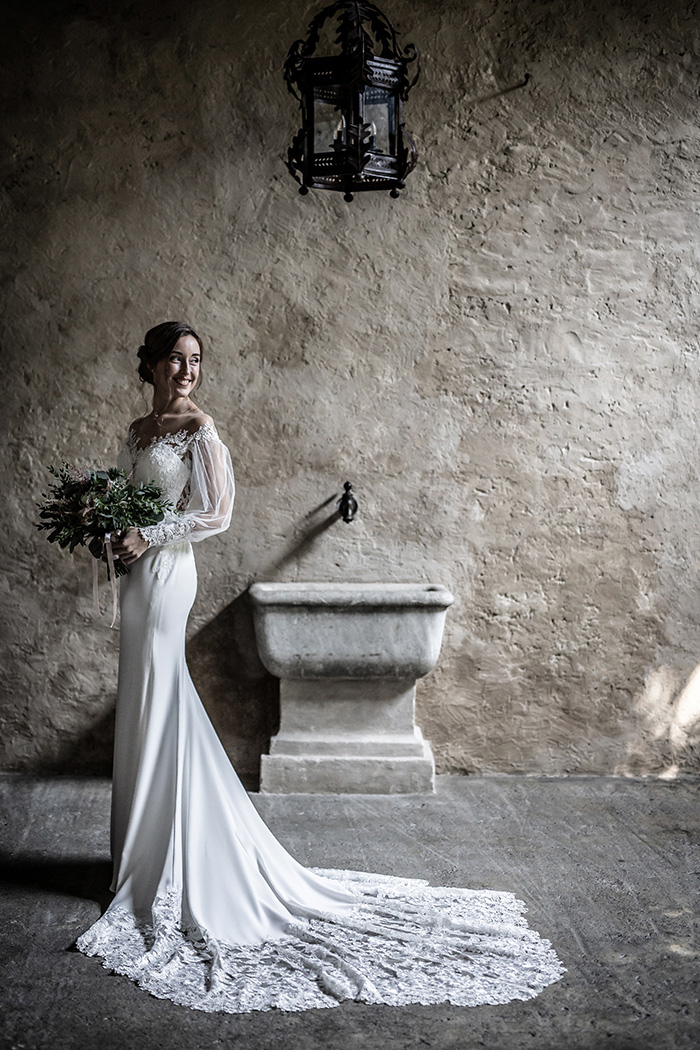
<point>209,910</point>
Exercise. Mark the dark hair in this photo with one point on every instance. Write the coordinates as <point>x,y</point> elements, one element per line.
<point>158,343</point>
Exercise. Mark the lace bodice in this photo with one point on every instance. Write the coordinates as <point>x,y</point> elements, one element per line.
<point>193,472</point>
<point>162,460</point>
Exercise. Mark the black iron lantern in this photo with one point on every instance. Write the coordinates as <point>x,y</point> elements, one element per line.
<point>352,136</point>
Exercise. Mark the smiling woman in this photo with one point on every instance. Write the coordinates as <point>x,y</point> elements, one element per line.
<point>164,340</point>
<point>170,360</point>
<point>210,910</point>
<point>179,371</point>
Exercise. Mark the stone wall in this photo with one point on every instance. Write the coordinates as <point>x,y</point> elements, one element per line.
<point>503,361</point>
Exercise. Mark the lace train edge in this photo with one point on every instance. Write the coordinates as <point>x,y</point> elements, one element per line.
<point>404,942</point>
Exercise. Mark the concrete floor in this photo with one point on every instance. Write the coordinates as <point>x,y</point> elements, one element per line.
<point>609,870</point>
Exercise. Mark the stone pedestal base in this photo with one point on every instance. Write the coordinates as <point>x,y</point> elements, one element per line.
<point>348,735</point>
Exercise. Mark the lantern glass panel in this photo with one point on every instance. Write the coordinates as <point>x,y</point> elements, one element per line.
<point>328,126</point>
<point>380,111</point>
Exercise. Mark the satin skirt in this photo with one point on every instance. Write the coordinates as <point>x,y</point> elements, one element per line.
<point>181,819</point>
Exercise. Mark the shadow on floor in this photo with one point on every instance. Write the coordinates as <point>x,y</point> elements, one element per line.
<point>69,877</point>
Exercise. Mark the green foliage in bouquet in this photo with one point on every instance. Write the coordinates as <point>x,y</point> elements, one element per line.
<point>83,505</point>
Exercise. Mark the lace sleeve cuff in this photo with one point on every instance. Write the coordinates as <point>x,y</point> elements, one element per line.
<point>166,532</point>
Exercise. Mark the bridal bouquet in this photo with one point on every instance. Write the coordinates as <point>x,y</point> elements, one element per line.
<point>84,507</point>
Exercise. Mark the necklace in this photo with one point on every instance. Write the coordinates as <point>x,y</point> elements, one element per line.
<point>158,416</point>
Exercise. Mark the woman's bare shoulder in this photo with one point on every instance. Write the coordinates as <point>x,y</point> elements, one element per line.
<point>199,420</point>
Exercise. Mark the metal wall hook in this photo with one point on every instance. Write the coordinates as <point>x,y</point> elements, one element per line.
<point>347,504</point>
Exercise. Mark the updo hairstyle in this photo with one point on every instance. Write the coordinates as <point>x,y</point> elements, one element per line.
<point>158,343</point>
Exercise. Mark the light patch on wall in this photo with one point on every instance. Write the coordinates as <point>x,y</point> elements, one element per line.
<point>666,725</point>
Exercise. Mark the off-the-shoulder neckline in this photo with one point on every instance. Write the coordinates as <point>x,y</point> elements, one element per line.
<point>205,428</point>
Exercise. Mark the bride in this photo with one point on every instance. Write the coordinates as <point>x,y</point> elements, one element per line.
<point>209,910</point>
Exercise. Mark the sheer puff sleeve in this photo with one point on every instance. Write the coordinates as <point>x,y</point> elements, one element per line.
<point>209,496</point>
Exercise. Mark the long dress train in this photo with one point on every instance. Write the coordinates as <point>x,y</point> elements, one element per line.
<point>210,911</point>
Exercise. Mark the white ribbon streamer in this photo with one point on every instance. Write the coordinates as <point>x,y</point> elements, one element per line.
<point>112,579</point>
<point>95,587</point>
<point>112,576</point>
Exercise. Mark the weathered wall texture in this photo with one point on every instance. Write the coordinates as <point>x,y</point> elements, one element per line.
<point>504,362</point>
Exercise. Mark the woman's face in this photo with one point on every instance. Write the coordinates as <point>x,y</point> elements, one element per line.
<point>177,374</point>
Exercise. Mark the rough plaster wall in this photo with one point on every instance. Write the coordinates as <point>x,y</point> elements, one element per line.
<point>503,362</point>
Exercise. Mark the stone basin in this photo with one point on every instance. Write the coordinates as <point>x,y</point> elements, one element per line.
<point>348,656</point>
<point>349,630</point>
